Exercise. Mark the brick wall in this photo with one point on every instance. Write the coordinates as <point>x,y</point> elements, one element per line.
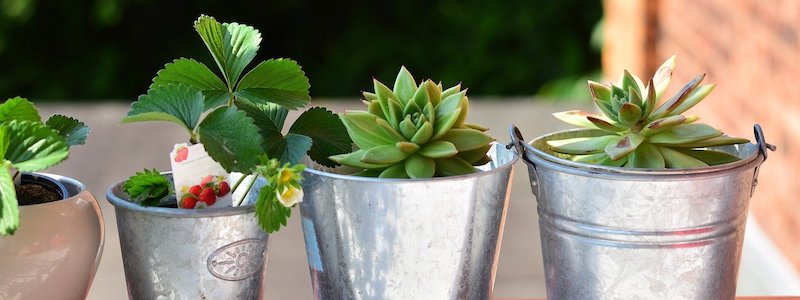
<point>751,49</point>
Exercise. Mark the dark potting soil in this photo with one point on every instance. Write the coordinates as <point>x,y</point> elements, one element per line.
<point>29,194</point>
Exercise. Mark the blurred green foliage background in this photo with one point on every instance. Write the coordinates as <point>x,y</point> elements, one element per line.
<point>111,49</point>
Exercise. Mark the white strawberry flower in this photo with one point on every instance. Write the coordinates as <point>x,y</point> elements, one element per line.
<point>290,195</point>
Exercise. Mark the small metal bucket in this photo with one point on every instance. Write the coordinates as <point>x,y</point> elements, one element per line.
<point>616,233</point>
<point>170,253</point>
<point>439,238</point>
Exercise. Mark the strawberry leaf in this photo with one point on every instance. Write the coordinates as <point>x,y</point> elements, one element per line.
<point>231,139</point>
<point>18,109</point>
<point>270,213</point>
<point>9,212</point>
<point>72,130</point>
<point>148,188</point>
<point>34,146</point>
<point>292,148</point>
<point>279,81</point>
<point>197,75</point>
<point>180,104</point>
<point>327,132</point>
<point>232,45</point>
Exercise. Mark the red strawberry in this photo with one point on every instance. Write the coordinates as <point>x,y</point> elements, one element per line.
<point>181,154</point>
<point>188,201</point>
<point>195,190</point>
<point>224,188</point>
<point>207,196</point>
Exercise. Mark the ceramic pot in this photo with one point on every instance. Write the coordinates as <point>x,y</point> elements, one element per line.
<point>56,250</point>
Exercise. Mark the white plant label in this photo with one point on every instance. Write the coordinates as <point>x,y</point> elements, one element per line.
<point>200,182</point>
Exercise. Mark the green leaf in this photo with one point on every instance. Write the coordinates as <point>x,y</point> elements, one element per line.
<point>232,45</point>
<point>623,145</point>
<point>72,130</point>
<point>646,156</point>
<point>453,166</point>
<point>354,160</point>
<point>34,146</point>
<point>197,75</point>
<point>270,213</point>
<point>578,118</point>
<point>231,139</point>
<point>384,154</point>
<point>418,166</point>
<point>676,160</point>
<point>467,139</point>
<point>662,77</point>
<point>475,156</point>
<point>710,157</point>
<point>291,148</point>
<point>599,91</point>
<point>269,118</point>
<point>712,142</point>
<point>9,212</point>
<point>629,114</point>
<point>279,81</point>
<point>444,123</point>
<point>677,100</point>
<point>697,95</point>
<point>18,108</point>
<point>423,134</point>
<point>404,85</point>
<point>582,145</point>
<point>362,128</point>
<point>685,133</point>
<point>180,104</point>
<point>327,132</point>
<point>395,171</point>
<point>148,188</point>
<point>439,149</point>
<point>662,124</point>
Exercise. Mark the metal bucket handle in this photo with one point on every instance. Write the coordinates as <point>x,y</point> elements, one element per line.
<point>762,149</point>
<point>518,142</point>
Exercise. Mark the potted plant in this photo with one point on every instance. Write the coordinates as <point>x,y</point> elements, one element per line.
<point>51,227</point>
<point>201,231</point>
<point>419,211</point>
<point>643,202</point>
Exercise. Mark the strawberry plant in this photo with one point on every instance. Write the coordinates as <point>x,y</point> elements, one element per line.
<point>238,118</point>
<point>28,145</point>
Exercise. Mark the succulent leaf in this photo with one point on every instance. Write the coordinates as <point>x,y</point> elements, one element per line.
<point>642,134</point>
<point>414,131</point>
<point>710,157</point>
<point>582,145</point>
<point>685,133</point>
<point>418,166</point>
<point>646,156</point>
<point>677,160</point>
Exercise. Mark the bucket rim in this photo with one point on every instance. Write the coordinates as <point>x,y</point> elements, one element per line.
<point>501,168</point>
<point>118,202</point>
<point>541,157</point>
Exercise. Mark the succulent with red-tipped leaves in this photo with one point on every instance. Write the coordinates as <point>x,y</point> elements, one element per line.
<point>638,133</point>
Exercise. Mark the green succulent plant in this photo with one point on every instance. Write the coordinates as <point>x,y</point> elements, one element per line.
<point>637,133</point>
<point>414,131</point>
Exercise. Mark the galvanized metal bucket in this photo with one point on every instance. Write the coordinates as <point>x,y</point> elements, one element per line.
<point>370,238</point>
<point>170,253</point>
<point>615,233</point>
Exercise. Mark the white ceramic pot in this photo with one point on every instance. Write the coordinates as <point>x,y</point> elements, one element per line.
<point>56,250</point>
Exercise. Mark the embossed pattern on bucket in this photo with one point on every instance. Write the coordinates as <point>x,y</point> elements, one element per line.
<point>614,233</point>
<point>171,253</point>
<point>370,238</point>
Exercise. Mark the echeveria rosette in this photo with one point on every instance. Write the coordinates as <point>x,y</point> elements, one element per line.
<point>638,133</point>
<point>414,131</point>
<point>28,145</point>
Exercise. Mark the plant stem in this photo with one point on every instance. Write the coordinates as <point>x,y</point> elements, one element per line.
<point>250,186</point>
<point>238,182</point>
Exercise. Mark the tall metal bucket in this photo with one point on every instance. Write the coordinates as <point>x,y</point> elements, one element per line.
<point>615,233</point>
<point>439,238</point>
<point>170,253</point>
